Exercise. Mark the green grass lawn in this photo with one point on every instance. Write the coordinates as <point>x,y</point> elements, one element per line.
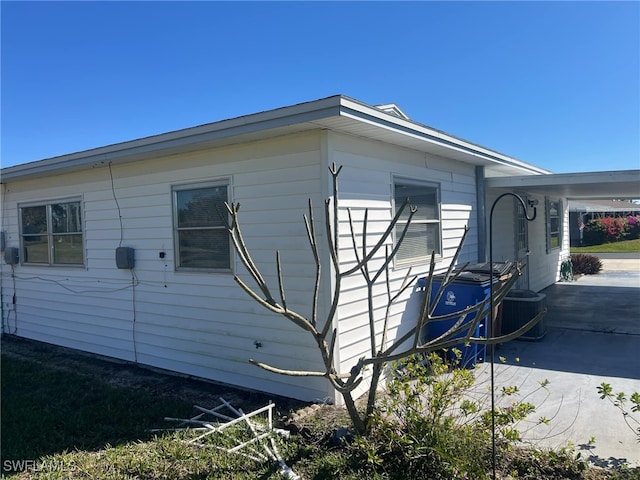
<point>69,418</point>
<point>627,246</point>
<point>45,411</point>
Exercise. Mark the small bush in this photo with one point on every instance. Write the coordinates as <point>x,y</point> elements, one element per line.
<point>429,425</point>
<point>424,427</point>
<point>632,229</point>
<point>594,232</point>
<point>621,401</point>
<point>585,264</point>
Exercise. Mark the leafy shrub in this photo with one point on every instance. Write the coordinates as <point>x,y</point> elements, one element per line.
<point>428,425</point>
<point>615,228</point>
<point>584,264</point>
<point>610,229</point>
<point>434,423</point>
<point>619,400</point>
<point>594,232</point>
<point>423,427</point>
<point>560,464</point>
<point>632,230</point>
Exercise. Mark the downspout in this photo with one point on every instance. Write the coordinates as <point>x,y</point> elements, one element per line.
<point>481,199</point>
<point>327,279</point>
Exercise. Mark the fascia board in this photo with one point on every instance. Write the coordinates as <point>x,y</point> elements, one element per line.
<point>579,185</point>
<point>612,176</point>
<point>356,110</point>
<point>192,138</point>
<point>179,140</point>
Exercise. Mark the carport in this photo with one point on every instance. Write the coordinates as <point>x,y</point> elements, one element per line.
<point>596,303</point>
<point>542,244</point>
<point>593,336</point>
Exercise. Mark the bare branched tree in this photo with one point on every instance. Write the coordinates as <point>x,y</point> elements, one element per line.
<point>387,350</point>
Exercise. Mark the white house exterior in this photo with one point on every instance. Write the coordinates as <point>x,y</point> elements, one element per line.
<point>179,307</point>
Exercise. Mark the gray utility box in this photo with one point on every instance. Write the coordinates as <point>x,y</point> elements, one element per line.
<point>125,257</point>
<point>518,308</point>
<point>11,255</point>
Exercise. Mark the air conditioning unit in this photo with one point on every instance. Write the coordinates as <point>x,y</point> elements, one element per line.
<point>518,308</point>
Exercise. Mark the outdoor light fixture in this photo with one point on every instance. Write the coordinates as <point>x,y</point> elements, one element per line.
<point>491,333</point>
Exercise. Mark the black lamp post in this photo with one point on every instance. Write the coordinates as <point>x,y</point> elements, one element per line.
<point>532,203</point>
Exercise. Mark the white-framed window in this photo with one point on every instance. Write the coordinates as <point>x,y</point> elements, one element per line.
<point>553,210</point>
<point>51,233</point>
<point>200,235</point>
<point>424,233</point>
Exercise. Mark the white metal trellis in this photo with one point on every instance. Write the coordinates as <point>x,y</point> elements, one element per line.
<point>260,448</point>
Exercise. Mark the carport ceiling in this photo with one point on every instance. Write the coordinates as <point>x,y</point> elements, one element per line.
<point>619,184</point>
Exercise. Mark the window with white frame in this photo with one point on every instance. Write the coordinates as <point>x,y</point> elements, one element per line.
<point>201,237</point>
<point>51,233</point>
<point>554,224</point>
<point>423,234</point>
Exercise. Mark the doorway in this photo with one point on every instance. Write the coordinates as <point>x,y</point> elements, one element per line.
<point>521,231</point>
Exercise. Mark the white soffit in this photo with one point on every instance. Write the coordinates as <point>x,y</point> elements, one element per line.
<point>615,184</point>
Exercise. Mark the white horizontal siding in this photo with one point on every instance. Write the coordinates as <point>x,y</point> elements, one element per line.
<point>366,182</point>
<point>202,323</point>
<point>544,266</point>
<point>198,323</point>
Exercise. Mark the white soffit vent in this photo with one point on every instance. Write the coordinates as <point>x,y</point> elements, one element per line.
<point>392,109</point>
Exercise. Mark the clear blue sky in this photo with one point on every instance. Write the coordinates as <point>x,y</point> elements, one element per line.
<point>556,84</point>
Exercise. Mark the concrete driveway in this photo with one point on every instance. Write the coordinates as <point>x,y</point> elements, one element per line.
<point>593,336</point>
<point>607,302</point>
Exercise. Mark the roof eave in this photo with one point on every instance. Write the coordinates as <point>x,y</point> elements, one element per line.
<point>183,140</point>
<point>580,185</point>
<point>267,124</point>
<point>470,152</point>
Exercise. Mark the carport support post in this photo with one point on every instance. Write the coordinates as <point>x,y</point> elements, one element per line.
<point>481,213</point>
<point>490,332</point>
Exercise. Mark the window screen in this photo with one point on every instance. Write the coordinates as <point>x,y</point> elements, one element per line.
<point>423,234</point>
<point>201,237</point>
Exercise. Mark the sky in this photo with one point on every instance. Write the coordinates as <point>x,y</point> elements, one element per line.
<point>554,84</point>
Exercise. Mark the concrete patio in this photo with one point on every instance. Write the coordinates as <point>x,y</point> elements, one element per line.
<point>593,336</point>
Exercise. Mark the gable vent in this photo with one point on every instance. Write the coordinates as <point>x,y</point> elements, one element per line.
<point>393,109</point>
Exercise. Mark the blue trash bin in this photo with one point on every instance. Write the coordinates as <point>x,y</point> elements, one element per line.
<point>471,287</point>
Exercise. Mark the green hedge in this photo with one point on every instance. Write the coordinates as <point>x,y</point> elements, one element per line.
<point>610,229</point>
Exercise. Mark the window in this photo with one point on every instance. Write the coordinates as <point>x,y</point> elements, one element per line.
<point>423,235</point>
<point>51,233</point>
<point>201,237</point>
<point>554,224</point>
